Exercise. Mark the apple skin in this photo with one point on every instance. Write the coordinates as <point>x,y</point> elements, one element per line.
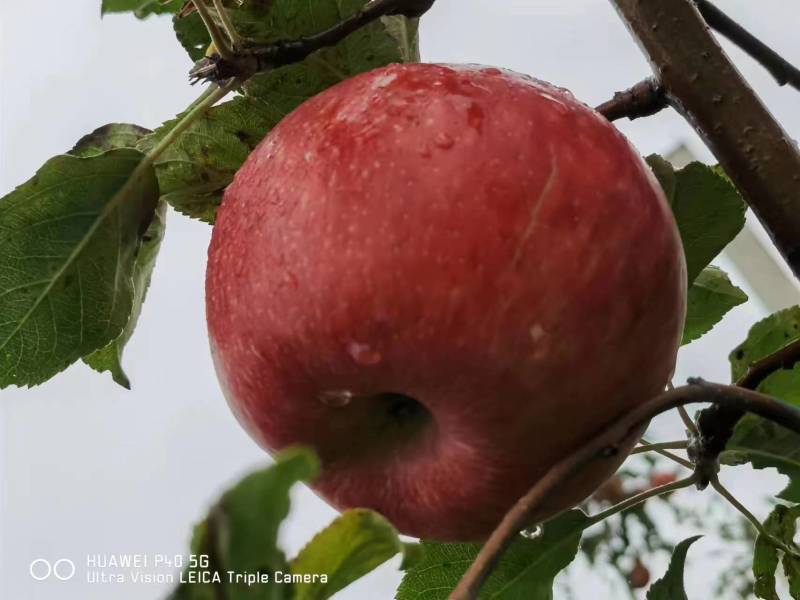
<point>444,279</point>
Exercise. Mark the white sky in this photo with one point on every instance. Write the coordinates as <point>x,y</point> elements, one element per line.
<point>90,468</point>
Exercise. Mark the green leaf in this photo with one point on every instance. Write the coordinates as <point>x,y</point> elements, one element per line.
<point>765,444</point>
<point>353,545</point>
<point>765,338</point>
<point>195,170</point>
<point>240,534</point>
<point>110,358</point>
<point>69,241</point>
<point>109,137</point>
<point>781,525</point>
<point>526,571</point>
<point>670,587</point>
<point>103,139</point>
<point>141,8</point>
<point>708,209</point>
<point>711,296</point>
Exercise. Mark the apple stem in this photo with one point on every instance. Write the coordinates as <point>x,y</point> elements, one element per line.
<point>648,97</point>
<point>730,397</point>
<point>644,99</point>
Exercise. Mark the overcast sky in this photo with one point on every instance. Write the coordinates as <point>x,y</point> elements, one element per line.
<point>90,468</point>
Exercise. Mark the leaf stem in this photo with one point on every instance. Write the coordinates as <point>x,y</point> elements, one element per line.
<point>639,498</point>
<point>216,35</point>
<point>227,25</point>
<point>206,101</point>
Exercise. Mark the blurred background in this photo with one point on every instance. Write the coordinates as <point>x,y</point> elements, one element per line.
<point>89,468</point>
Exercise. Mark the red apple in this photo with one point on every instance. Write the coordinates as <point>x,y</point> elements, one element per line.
<point>444,279</point>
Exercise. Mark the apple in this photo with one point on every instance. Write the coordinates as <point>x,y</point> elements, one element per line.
<point>444,279</point>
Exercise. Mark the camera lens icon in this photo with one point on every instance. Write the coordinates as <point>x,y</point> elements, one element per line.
<point>42,569</point>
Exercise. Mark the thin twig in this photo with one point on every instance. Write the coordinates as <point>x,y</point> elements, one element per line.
<point>785,358</point>
<point>663,450</point>
<point>757,525</point>
<point>257,58</point>
<point>644,99</point>
<point>782,70</point>
<point>641,497</point>
<point>604,444</point>
<point>687,420</point>
<point>222,44</point>
<point>227,25</point>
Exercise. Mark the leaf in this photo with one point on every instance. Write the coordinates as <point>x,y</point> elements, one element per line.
<point>353,545</point>
<point>765,444</point>
<point>109,358</point>
<point>195,170</point>
<point>526,571</point>
<point>670,587</point>
<point>711,296</point>
<point>109,137</point>
<point>708,209</point>
<point>69,240</point>
<point>240,534</point>
<point>767,337</point>
<point>781,524</point>
<point>141,8</point>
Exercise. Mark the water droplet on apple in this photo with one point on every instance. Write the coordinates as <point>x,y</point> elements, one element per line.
<point>363,354</point>
<point>532,533</point>
<point>444,141</point>
<point>336,398</point>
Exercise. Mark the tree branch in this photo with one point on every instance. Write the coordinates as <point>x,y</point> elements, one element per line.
<point>782,70</point>
<point>701,82</point>
<point>605,443</point>
<point>258,58</point>
<point>785,358</point>
<point>644,99</point>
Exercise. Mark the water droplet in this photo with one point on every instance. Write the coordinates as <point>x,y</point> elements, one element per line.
<point>532,533</point>
<point>444,140</point>
<point>336,398</point>
<point>492,71</point>
<point>425,151</point>
<point>363,354</point>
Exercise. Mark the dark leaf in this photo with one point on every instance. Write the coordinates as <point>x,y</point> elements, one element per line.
<point>240,535</point>
<point>109,137</point>
<point>670,587</point>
